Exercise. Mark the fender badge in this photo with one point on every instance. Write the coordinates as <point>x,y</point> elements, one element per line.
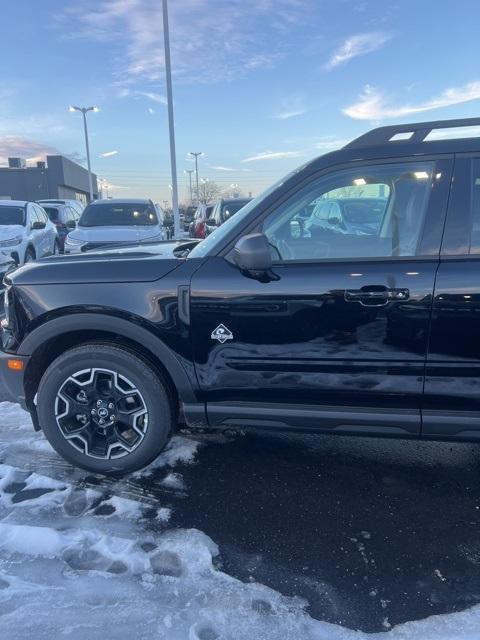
<point>222,334</point>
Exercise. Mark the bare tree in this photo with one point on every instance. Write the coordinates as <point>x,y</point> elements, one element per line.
<point>208,191</point>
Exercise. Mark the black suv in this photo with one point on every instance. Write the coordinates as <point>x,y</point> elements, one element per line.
<point>268,322</point>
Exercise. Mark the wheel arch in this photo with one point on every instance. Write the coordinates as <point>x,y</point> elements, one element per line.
<point>47,341</point>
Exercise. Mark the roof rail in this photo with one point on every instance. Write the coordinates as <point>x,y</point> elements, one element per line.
<point>418,132</point>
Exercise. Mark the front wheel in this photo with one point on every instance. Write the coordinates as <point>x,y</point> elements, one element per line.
<point>105,409</point>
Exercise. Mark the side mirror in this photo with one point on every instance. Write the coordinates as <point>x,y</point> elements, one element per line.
<point>212,222</point>
<point>37,225</point>
<point>252,254</point>
<point>71,224</point>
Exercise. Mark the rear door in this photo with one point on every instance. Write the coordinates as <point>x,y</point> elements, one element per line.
<point>338,335</point>
<point>451,406</point>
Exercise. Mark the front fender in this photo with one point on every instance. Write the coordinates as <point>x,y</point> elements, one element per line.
<point>55,328</point>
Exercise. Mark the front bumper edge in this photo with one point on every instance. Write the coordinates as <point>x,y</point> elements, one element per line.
<point>13,381</point>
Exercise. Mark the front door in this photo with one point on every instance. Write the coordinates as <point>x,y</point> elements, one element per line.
<point>336,338</point>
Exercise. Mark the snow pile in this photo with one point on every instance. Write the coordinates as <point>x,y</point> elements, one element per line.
<point>91,563</point>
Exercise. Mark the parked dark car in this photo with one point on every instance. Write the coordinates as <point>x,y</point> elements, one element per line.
<point>64,217</point>
<point>199,225</point>
<point>223,210</point>
<point>259,326</point>
<point>187,217</point>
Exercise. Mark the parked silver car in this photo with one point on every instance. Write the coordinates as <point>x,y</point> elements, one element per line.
<point>26,232</point>
<point>112,221</point>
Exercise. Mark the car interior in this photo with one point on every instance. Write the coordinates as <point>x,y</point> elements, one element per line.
<point>323,235</point>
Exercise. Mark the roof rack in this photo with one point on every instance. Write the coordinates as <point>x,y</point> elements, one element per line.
<point>399,133</point>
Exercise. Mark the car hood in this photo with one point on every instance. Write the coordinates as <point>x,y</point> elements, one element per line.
<point>115,234</point>
<point>8,231</point>
<point>122,264</point>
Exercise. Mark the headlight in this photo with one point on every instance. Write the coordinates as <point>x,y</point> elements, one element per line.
<point>11,242</point>
<point>73,241</point>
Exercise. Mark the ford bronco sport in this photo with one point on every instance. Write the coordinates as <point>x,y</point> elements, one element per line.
<point>270,322</point>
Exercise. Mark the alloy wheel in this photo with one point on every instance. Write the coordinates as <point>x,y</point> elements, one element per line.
<point>101,413</point>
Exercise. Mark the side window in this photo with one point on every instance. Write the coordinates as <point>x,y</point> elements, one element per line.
<point>68,215</point>
<point>32,214</point>
<point>41,215</point>
<point>475,215</point>
<point>369,211</point>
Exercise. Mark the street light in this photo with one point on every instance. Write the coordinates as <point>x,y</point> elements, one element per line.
<point>190,171</point>
<point>204,181</point>
<point>84,111</point>
<point>195,154</point>
<point>171,123</point>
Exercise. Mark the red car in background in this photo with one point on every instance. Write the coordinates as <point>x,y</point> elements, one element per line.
<point>198,226</point>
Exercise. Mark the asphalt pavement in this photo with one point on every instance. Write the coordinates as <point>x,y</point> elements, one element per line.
<point>370,532</point>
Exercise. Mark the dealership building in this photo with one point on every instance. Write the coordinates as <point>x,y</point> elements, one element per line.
<point>58,177</point>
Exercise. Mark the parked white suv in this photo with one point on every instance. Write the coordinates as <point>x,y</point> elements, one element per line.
<point>26,232</point>
<point>114,221</point>
<point>75,204</point>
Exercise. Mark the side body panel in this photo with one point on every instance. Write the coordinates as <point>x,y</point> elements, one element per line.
<point>451,406</point>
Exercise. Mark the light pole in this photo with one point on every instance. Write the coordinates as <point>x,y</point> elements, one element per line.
<point>205,194</point>
<point>190,171</point>
<point>84,111</point>
<point>171,124</point>
<point>195,154</point>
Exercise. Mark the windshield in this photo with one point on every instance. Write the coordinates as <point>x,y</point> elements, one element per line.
<point>52,213</point>
<point>230,208</point>
<point>118,214</point>
<point>12,215</point>
<point>206,246</point>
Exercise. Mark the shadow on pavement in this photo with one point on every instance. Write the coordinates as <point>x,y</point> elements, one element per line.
<point>371,532</point>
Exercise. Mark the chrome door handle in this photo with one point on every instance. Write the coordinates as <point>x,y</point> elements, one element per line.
<point>375,297</point>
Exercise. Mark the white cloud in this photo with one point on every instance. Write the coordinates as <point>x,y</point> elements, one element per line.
<point>151,111</point>
<point>107,154</point>
<point>357,45</point>
<point>209,44</point>
<point>285,115</point>
<point>151,95</point>
<point>159,98</point>
<point>373,105</point>
<point>290,107</point>
<point>272,155</point>
<point>17,146</point>
<point>220,168</point>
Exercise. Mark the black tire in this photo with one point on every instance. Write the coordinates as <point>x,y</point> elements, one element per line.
<point>152,390</point>
<point>29,255</point>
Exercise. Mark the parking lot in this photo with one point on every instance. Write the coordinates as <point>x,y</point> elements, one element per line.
<point>370,533</point>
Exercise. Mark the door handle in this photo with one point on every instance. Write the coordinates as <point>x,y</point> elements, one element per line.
<point>375,296</point>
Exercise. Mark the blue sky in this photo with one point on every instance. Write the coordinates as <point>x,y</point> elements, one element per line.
<point>260,86</point>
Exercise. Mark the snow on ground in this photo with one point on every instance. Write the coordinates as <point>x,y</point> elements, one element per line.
<point>83,561</point>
